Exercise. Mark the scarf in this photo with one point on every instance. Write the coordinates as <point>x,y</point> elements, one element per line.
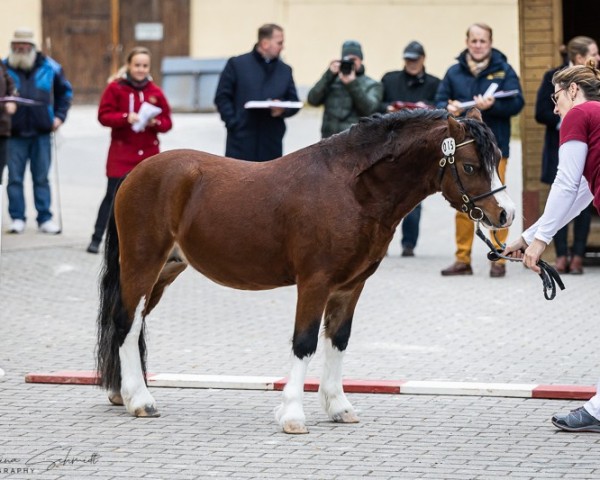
<point>477,67</point>
<point>135,84</point>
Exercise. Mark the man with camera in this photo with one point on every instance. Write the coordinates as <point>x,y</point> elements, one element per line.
<point>345,91</point>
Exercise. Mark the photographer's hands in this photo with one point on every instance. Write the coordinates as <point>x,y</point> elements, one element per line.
<point>334,67</point>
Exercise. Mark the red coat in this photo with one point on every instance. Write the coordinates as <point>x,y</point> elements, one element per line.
<point>128,148</point>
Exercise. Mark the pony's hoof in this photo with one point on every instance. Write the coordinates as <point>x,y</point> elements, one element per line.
<point>346,416</point>
<point>294,428</point>
<point>147,411</point>
<point>115,399</point>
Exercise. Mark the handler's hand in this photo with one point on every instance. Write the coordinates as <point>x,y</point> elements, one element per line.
<point>515,249</point>
<point>531,255</point>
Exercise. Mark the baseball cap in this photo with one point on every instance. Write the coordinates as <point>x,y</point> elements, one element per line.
<point>413,51</point>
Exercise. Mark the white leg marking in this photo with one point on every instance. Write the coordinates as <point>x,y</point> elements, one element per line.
<point>134,392</point>
<point>290,414</point>
<point>504,200</point>
<point>331,392</point>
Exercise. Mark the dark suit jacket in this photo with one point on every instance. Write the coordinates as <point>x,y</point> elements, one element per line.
<point>253,134</point>
<point>544,114</point>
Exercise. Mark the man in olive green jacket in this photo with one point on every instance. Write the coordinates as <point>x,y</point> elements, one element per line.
<point>345,91</point>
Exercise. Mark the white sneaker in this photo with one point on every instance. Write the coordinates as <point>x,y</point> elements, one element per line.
<point>17,226</point>
<point>49,227</point>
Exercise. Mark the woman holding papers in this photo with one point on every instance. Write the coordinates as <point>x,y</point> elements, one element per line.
<point>481,70</point>
<point>136,110</point>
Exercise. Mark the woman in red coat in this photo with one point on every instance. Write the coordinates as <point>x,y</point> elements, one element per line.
<point>131,141</point>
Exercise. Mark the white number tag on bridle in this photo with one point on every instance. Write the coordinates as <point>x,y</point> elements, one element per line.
<point>448,147</point>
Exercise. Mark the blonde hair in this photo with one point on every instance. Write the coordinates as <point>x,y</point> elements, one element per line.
<point>123,69</point>
<point>483,26</point>
<point>586,77</point>
<point>579,46</point>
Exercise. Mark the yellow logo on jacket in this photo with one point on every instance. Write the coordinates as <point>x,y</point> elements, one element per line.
<point>495,75</point>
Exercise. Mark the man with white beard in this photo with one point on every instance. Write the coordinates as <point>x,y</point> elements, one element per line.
<point>37,77</point>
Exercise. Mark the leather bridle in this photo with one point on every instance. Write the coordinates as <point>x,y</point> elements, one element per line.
<point>449,147</point>
<point>549,275</point>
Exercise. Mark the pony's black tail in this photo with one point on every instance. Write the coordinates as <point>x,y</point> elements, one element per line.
<point>113,320</point>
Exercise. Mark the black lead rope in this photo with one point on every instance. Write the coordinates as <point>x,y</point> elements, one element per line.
<point>549,275</point>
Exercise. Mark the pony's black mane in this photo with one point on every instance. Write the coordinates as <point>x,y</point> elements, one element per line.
<point>485,141</point>
<point>376,130</point>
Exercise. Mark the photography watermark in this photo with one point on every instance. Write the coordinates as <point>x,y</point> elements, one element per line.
<point>45,460</point>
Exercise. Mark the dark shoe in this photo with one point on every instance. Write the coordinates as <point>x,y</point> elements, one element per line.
<point>561,264</point>
<point>408,252</point>
<point>497,270</point>
<point>576,265</point>
<point>457,268</point>
<point>578,420</point>
<point>93,247</point>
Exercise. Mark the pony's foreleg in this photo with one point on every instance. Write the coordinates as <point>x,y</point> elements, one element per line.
<point>134,392</point>
<point>309,310</point>
<point>338,324</point>
<point>290,414</point>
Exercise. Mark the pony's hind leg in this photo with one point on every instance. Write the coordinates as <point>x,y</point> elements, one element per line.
<point>338,324</point>
<point>115,397</point>
<point>134,393</point>
<point>309,310</point>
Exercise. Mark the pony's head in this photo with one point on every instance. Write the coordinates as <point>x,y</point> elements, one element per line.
<point>469,172</point>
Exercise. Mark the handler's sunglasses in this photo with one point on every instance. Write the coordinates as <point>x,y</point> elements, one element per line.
<point>554,96</point>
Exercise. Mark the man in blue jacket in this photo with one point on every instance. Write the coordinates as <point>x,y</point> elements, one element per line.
<point>256,134</point>
<point>478,67</point>
<point>39,78</point>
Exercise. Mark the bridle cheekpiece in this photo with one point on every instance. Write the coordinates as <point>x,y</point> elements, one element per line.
<point>449,147</point>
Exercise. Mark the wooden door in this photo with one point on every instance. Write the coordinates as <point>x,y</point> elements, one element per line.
<point>88,38</point>
<point>77,34</point>
<point>173,16</point>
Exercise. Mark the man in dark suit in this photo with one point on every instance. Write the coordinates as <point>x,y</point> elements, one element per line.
<point>256,134</point>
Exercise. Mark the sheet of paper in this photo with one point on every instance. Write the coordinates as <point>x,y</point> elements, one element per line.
<point>147,112</point>
<point>19,100</point>
<point>272,103</point>
<point>498,94</point>
<point>491,90</point>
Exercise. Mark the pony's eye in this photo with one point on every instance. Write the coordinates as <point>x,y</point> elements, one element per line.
<point>469,169</point>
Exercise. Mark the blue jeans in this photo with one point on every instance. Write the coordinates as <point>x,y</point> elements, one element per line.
<point>37,151</point>
<point>410,228</point>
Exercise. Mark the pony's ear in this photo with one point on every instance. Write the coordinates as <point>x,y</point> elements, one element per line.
<point>474,113</point>
<point>455,129</point>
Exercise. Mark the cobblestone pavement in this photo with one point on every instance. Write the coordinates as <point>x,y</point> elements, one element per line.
<point>410,324</point>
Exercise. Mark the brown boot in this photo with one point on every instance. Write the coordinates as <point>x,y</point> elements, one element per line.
<point>497,270</point>
<point>576,265</point>
<point>457,268</point>
<point>561,264</point>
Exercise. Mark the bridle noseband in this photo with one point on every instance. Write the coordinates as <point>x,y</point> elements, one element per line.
<point>449,147</point>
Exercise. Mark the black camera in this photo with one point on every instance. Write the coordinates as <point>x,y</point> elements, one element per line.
<point>346,66</point>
